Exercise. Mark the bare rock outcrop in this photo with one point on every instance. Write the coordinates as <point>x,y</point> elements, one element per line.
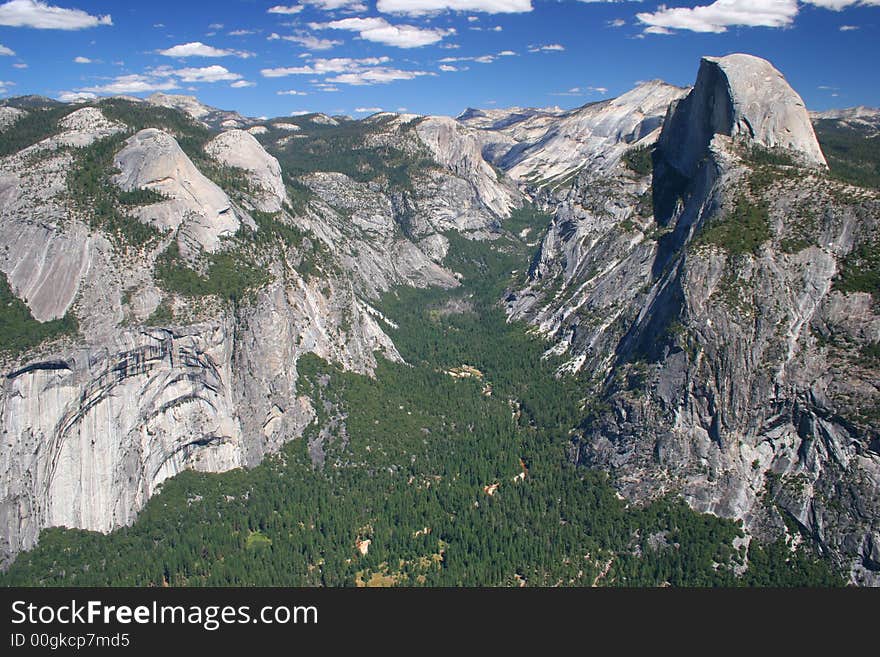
<point>745,98</point>
<point>239,148</point>
<point>152,159</point>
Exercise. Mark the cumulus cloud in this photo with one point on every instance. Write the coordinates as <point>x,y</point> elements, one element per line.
<point>292,92</point>
<point>286,10</point>
<point>345,70</point>
<point>379,75</point>
<point>551,47</point>
<point>82,60</point>
<point>482,59</point>
<point>215,73</point>
<point>75,96</point>
<point>165,78</point>
<point>720,15</point>
<point>332,5</point>
<point>379,30</point>
<point>838,5</point>
<point>308,41</point>
<point>325,66</point>
<point>7,52</point>
<point>199,49</point>
<point>617,22</point>
<point>368,110</point>
<point>242,32</point>
<point>133,84</point>
<point>326,5</point>
<point>421,7</point>
<point>42,16</point>
<point>448,68</point>
<point>241,84</point>
<point>848,28</point>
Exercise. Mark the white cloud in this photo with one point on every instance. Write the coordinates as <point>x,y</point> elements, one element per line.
<point>242,32</point>
<point>300,112</point>
<point>582,91</point>
<point>379,75</point>
<point>326,5</point>
<point>722,14</point>
<point>617,22</point>
<point>8,52</point>
<point>309,41</point>
<point>421,7</point>
<point>379,30</point>
<point>292,92</point>
<point>838,5</point>
<point>241,84</point>
<point>325,66</point>
<point>82,60</point>
<point>552,47</point>
<point>215,73</point>
<point>199,49</point>
<point>482,59</point>
<point>133,84</point>
<point>75,96</point>
<point>20,65</point>
<point>287,10</point>
<point>447,68</point>
<point>848,28</point>
<point>365,71</point>
<point>332,5</point>
<point>368,110</point>
<point>39,15</point>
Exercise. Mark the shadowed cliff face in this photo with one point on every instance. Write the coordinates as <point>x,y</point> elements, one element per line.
<point>705,321</point>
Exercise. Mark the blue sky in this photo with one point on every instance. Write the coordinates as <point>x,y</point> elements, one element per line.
<point>428,56</point>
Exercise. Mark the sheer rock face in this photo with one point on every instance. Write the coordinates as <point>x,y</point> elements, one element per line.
<point>237,148</point>
<point>711,367</point>
<point>201,210</point>
<point>90,436</point>
<point>742,97</point>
